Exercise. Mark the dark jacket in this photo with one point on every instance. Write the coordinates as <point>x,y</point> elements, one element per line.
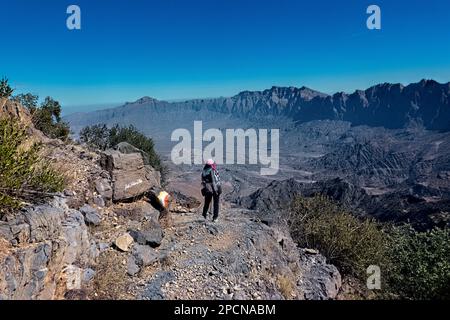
<point>211,181</point>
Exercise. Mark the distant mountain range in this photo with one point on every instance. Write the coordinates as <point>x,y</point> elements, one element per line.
<point>387,105</point>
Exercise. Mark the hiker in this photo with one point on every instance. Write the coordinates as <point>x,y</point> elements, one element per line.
<point>211,188</point>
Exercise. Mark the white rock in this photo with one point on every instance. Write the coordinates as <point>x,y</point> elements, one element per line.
<point>124,241</point>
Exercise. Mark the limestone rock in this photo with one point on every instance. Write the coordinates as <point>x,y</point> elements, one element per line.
<point>99,201</point>
<point>104,189</point>
<point>144,255</point>
<point>45,221</point>
<point>130,176</point>
<point>91,216</point>
<point>51,237</point>
<point>151,235</point>
<point>88,275</point>
<point>132,267</point>
<point>124,241</point>
<point>320,281</point>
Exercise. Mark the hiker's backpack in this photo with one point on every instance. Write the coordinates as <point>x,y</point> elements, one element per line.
<point>211,177</point>
<point>216,178</point>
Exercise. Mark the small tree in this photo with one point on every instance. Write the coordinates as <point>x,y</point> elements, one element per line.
<point>5,90</point>
<point>96,136</point>
<point>53,108</point>
<point>47,118</point>
<point>28,100</point>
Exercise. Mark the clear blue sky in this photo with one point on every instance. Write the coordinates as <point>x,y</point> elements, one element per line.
<point>172,49</point>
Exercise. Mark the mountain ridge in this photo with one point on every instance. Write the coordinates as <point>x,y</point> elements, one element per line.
<point>390,105</point>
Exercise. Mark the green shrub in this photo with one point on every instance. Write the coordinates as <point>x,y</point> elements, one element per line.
<point>421,263</point>
<point>96,136</point>
<point>101,137</point>
<point>5,89</point>
<point>414,265</point>
<point>28,100</point>
<point>47,118</point>
<point>24,175</point>
<point>347,242</point>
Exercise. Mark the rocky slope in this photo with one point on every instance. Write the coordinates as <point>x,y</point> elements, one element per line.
<point>408,204</point>
<point>236,258</point>
<point>44,250</point>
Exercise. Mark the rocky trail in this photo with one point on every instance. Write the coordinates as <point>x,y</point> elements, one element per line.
<point>237,257</point>
<point>228,259</point>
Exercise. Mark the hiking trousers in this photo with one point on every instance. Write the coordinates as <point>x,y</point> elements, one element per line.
<point>208,198</point>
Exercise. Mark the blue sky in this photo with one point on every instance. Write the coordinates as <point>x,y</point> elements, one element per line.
<point>174,49</point>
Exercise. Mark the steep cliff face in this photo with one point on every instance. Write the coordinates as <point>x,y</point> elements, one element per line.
<point>386,105</point>
<point>46,250</point>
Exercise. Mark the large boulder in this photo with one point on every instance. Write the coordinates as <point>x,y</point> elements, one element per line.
<point>130,176</point>
<point>15,110</point>
<point>152,175</point>
<point>126,148</point>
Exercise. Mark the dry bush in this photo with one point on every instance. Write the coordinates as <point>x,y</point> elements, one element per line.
<point>287,286</point>
<point>346,241</point>
<point>111,280</point>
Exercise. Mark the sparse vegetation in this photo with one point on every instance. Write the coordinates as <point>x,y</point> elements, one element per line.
<point>110,282</point>
<point>349,243</point>
<point>287,286</point>
<point>421,263</point>
<point>24,175</point>
<point>102,137</point>
<point>414,265</point>
<point>96,136</point>
<point>28,100</point>
<point>46,117</point>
